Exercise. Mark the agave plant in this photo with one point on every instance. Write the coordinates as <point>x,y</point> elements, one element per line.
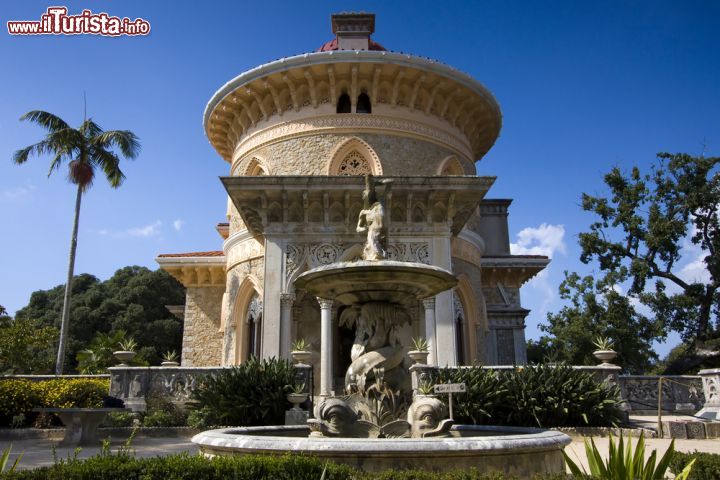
<point>603,343</point>
<point>626,463</point>
<point>5,458</point>
<point>170,356</point>
<point>420,344</point>
<point>300,345</point>
<point>128,345</point>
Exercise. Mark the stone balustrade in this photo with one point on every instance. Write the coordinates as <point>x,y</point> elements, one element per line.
<point>680,393</point>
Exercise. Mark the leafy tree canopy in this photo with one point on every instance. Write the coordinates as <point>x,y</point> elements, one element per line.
<point>638,240</point>
<point>132,300</point>
<point>25,345</point>
<point>640,232</point>
<point>595,309</point>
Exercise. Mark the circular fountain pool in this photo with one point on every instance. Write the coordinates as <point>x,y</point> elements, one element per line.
<point>517,451</point>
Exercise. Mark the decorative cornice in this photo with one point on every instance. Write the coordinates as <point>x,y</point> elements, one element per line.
<point>315,79</point>
<point>511,270</point>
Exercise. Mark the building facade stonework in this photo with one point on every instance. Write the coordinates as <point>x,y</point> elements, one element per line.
<point>299,133</point>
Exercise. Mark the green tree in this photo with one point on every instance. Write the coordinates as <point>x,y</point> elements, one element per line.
<point>133,300</point>
<point>25,345</point>
<point>597,309</point>
<point>639,235</point>
<point>86,149</point>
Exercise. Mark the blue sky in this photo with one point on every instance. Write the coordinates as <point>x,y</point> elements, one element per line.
<point>583,86</point>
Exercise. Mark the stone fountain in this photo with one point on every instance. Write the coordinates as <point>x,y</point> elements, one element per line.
<point>377,423</point>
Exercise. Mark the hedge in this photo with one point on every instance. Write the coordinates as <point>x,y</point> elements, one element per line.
<point>19,396</point>
<point>707,465</point>
<point>197,467</point>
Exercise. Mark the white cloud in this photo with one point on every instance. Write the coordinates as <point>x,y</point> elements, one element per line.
<point>146,231</point>
<point>543,240</point>
<point>695,270</point>
<point>18,192</point>
<point>178,224</point>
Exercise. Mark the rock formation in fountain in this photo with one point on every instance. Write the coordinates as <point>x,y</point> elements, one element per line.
<point>376,343</point>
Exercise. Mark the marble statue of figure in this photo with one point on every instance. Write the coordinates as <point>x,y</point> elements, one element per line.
<point>372,220</point>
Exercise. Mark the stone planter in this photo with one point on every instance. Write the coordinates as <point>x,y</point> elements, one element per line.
<point>169,364</point>
<point>296,399</point>
<point>124,356</point>
<point>419,356</point>
<point>301,356</point>
<point>605,356</point>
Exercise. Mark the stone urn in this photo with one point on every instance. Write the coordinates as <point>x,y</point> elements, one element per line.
<point>301,356</point>
<point>419,356</point>
<point>296,399</point>
<point>605,356</point>
<point>124,356</point>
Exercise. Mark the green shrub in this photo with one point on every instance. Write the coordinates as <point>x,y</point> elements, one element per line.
<point>19,396</point>
<point>537,396</point>
<point>119,419</point>
<point>706,466</point>
<point>161,412</point>
<point>192,467</point>
<point>252,393</point>
<point>72,392</point>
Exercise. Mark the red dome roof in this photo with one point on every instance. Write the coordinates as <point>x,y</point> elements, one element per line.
<point>333,45</point>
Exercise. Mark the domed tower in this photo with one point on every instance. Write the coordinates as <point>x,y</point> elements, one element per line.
<point>298,134</point>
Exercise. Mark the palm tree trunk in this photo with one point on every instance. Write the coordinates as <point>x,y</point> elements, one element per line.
<point>68,288</point>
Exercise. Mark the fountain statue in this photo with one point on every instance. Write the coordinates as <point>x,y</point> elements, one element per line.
<point>372,220</point>
<point>378,422</point>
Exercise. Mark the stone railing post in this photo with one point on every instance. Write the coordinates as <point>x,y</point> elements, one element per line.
<point>711,391</point>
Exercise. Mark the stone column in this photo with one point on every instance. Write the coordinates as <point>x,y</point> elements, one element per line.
<point>270,344</point>
<point>429,304</point>
<point>286,305</point>
<point>445,349</point>
<point>326,348</point>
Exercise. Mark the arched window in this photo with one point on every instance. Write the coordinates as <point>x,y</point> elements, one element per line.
<point>343,104</point>
<point>253,322</point>
<point>354,163</point>
<point>256,167</point>
<point>363,104</point>
<point>354,157</point>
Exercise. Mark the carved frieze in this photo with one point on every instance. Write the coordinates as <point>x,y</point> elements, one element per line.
<point>355,122</point>
<point>301,256</point>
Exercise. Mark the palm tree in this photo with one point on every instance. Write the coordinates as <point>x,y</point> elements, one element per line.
<point>85,149</point>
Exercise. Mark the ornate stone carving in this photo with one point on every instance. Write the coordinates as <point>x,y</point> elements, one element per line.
<point>354,163</point>
<point>353,122</point>
<point>678,393</point>
<point>301,255</point>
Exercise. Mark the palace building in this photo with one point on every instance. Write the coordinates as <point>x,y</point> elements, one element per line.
<point>299,134</point>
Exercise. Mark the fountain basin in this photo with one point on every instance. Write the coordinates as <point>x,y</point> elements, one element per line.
<point>376,281</point>
<point>518,451</point>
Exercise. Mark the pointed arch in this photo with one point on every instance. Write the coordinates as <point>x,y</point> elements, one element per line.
<point>451,166</point>
<point>354,156</point>
<point>469,323</point>
<point>244,312</point>
<point>256,166</point>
